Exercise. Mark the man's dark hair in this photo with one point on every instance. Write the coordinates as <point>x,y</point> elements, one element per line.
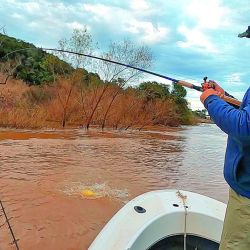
<point>246,33</point>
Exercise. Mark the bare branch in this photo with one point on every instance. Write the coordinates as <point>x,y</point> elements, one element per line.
<point>125,52</point>
<point>8,69</point>
<point>80,42</point>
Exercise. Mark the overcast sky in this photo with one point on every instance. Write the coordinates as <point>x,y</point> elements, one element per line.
<point>189,39</point>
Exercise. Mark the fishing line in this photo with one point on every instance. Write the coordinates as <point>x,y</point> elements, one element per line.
<point>9,226</point>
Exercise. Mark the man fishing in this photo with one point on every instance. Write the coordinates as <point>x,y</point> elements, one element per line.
<point>236,124</point>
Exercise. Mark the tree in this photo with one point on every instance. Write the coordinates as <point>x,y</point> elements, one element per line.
<point>80,42</point>
<point>8,69</point>
<point>117,89</point>
<point>56,67</point>
<point>2,31</point>
<point>127,102</point>
<point>178,94</point>
<point>178,91</point>
<point>201,113</point>
<point>126,52</point>
<point>27,62</point>
<point>154,90</point>
<point>89,91</point>
<point>66,87</point>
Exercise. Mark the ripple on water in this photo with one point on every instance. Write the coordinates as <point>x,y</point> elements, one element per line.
<point>42,179</point>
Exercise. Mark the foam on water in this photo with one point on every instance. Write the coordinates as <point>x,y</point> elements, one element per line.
<point>100,190</point>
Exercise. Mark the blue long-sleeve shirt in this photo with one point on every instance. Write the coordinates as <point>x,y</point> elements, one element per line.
<point>235,123</point>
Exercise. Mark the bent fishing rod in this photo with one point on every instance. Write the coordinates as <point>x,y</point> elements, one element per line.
<point>226,97</point>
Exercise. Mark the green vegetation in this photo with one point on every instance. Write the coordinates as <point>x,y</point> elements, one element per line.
<point>201,113</point>
<point>31,65</point>
<point>179,93</point>
<point>154,90</point>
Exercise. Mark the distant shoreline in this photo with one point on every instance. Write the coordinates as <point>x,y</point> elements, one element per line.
<point>209,121</point>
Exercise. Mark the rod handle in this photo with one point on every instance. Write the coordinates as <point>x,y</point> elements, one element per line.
<point>232,101</point>
<point>236,103</point>
<point>185,84</point>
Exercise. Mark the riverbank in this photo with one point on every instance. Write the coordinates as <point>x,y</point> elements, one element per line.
<point>207,121</point>
<point>69,133</point>
<point>72,103</point>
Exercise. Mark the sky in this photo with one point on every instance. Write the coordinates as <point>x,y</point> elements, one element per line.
<point>189,39</point>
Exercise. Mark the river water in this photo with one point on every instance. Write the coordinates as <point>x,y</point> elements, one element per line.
<point>43,173</point>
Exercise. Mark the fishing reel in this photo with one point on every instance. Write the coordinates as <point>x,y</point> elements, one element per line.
<point>207,84</point>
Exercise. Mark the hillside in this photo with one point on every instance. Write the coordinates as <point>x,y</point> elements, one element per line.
<point>30,65</point>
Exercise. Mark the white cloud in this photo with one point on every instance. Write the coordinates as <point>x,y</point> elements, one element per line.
<point>234,78</point>
<point>126,21</point>
<point>77,25</point>
<point>195,38</point>
<point>193,98</point>
<point>31,7</point>
<point>147,32</point>
<point>34,24</point>
<point>208,14</point>
<point>11,1</point>
<point>102,12</point>
<point>141,5</point>
<point>17,16</point>
<point>45,21</point>
<point>202,26</point>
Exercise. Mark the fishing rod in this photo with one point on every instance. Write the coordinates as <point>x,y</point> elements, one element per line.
<point>228,98</point>
<point>9,226</point>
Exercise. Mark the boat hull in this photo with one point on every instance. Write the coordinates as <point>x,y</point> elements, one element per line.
<point>154,216</point>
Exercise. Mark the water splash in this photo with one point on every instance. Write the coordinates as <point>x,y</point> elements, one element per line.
<point>96,191</point>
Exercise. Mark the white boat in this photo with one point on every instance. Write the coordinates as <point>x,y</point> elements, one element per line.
<point>165,219</point>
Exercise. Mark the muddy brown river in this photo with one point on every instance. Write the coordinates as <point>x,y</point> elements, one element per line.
<point>43,174</point>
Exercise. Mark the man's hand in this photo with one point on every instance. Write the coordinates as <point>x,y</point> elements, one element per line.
<point>215,89</point>
<point>205,94</point>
